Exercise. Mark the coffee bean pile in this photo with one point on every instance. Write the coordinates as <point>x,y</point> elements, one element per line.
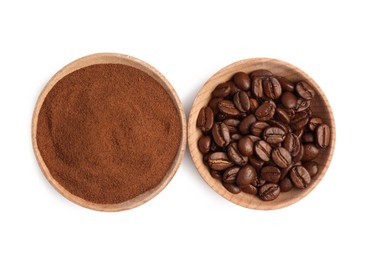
<point>259,134</point>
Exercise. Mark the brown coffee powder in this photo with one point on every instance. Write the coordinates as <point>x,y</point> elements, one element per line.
<point>108,132</point>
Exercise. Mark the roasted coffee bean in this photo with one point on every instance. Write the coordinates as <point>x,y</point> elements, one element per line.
<point>271,87</point>
<point>279,124</point>
<point>241,101</point>
<point>300,154</point>
<point>256,162</point>
<point>250,189</point>
<point>232,124</point>
<point>265,111</point>
<point>205,119</point>
<point>282,115</point>
<point>236,137</point>
<point>281,157</point>
<point>269,191</point>
<point>310,152</point>
<point>221,134</point>
<point>273,135</point>
<point>263,150</point>
<point>216,174</point>
<point>270,174</point>
<point>322,133</point>
<point>261,73</point>
<point>219,161</point>
<point>300,120</point>
<point>254,138</point>
<point>288,99</point>
<point>242,80</point>
<point>245,146</point>
<point>228,108</point>
<point>312,167</point>
<point>257,87</point>
<point>300,177</point>
<point>222,90</point>
<point>235,155</point>
<point>204,144</point>
<point>246,123</point>
<point>246,175</point>
<point>302,105</point>
<point>286,85</point>
<point>230,174</point>
<point>213,104</point>
<point>304,90</point>
<point>258,182</point>
<point>290,112</point>
<point>285,185</point>
<point>285,171</point>
<point>253,104</point>
<point>314,122</point>
<point>232,188</point>
<point>258,127</point>
<point>308,137</point>
<point>292,144</point>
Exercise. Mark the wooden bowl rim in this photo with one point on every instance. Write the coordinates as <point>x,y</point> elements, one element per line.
<point>203,171</point>
<point>107,58</point>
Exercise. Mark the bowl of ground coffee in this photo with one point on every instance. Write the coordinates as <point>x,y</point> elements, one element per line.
<point>109,132</point>
<point>261,133</point>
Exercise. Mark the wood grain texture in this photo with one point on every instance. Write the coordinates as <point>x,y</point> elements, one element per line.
<point>104,58</point>
<point>320,106</point>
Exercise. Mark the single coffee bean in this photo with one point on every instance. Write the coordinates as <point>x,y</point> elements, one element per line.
<point>273,135</point>
<point>265,111</point>
<point>310,152</point>
<point>230,174</point>
<point>205,119</point>
<point>285,171</point>
<point>261,73</point>
<point>232,188</point>
<point>258,127</point>
<point>288,100</point>
<point>216,174</point>
<point>227,107</point>
<point>257,87</point>
<point>281,157</point>
<point>282,115</point>
<point>263,150</point>
<point>236,137</point>
<point>271,87</point>
<point>305,90</point>
<point>308,137</point>
<point>219,161</point>
<point>323,135</point>
<point>300,120</point>
<point>253,104</point>
<point>286,84</point>
<point>312,167</point>
<point>245,146</point>
<point>250,189</point>
<point>235,155</point>
<point>204,144</point>
<point>292,144</point>
<point>314,122</point>
<point>241,101</point>
<point>213,104</point>
<point>302,105</point>
<point>285,185</point>
<point>246,175</point>
<point>222,90</point>
<point>246,123</point>
<point>279,124</point>
<point>269,191</point>
<point>255,162</point>
<point>270,174</point>
<point>242,80</point>
<point>300,177</point>
<point>221,134</point>
<point>299,156</point>
<point>232,124</point>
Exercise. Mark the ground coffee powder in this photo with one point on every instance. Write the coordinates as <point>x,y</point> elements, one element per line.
<point>108,132</point>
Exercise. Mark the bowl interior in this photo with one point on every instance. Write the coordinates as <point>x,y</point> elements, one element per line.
<point>320,107</point>
<point>104,58</point>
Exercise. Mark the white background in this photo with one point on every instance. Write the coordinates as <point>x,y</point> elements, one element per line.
<point>188,42</point>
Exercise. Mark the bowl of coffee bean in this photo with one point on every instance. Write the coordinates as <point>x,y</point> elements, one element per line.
<point>261,133</point>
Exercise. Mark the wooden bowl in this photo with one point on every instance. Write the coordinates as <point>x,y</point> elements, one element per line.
<point>320,107</point>
<point>102,58</point>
